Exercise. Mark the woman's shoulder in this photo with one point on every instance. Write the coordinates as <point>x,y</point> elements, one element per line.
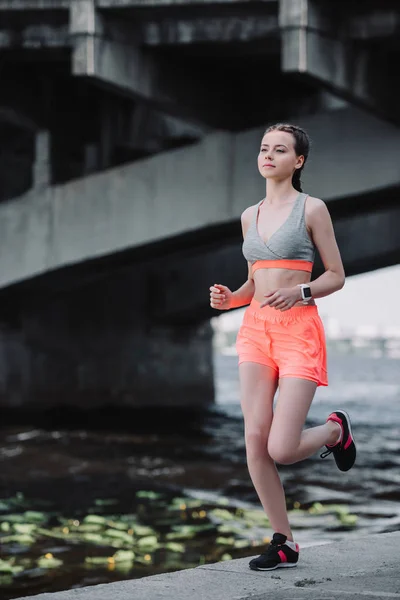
<point>248,212</point>
<point>314,204</point>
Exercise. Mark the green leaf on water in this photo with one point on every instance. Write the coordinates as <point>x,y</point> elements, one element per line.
<point>144,560</point>
<point>5,567</point>
<point>222,513</point>
<point>120,525</point>
<point>348,520</point>
<point>105,502</point>
<point>94,538</point>
<point>148,494</point>
<point>142,530</point>
<point>179,503</point>
<point>229,529</point>
<point>255,516</point>
<point>174,547</point>
<point>180,535</point>
<point>224,501</point>
<point>124,556</point>
<point>148,542</point>
<point>242,543</point>
<point>97,560</point>
<point>5,527</point>
<point>56,534</point>
<point>34,516</point>
<point>225,541</point>
<point>18,538</point>
<point>45,562</point>
<point>28,528</point>
<point>94,520</point>
<point>87,528</point>
<point>16,518</point>
<point>120,535</point>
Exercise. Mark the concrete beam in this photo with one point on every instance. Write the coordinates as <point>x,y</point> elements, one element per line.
<point>100,53</point>
<point>314,43</point>
<point>202,186</point>
<point>35,36</point>
<point>220,30</point>
<point>374,24</point>
<point>17,5</point>
<point>181,3</point>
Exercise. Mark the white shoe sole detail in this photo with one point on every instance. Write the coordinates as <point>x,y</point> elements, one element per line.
<point>279,566</point>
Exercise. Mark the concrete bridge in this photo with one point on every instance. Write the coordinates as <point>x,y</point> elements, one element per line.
<point>131,146</point>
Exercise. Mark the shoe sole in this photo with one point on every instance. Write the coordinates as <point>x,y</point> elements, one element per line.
<point>279,566</point>
<point>351,433</point>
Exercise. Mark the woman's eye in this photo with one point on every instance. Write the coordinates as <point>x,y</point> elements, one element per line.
<point>280,151</point>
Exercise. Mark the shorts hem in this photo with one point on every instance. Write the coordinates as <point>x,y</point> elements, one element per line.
<point>319,382</point>
<point>259,362</point>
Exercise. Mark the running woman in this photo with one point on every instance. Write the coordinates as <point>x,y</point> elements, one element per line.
<point>281,342</point>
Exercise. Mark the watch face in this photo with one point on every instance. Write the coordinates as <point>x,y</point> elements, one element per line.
<point>307,292</point>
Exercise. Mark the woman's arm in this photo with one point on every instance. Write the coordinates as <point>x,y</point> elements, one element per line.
<point>245,293</point>
<point>221,296</point>
<point>322,232</point>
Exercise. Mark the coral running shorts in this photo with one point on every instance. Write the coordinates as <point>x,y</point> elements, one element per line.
<point>291,342</point>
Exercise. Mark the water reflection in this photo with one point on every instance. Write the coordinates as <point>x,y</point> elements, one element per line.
<point>70,465</point>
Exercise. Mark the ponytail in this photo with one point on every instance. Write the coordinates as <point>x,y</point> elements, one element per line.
<point>296,181</point>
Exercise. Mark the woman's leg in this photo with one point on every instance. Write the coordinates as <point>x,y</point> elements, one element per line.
<point>288,443</point>
<point>258,385</point>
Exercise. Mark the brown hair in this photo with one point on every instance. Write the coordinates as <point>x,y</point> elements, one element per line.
<point>301,147</point>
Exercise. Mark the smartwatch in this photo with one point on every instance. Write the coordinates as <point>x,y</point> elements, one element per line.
<point>305,292</point>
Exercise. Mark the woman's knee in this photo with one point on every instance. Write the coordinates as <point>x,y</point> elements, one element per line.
<point>256,443</point>
<point>281,452</point>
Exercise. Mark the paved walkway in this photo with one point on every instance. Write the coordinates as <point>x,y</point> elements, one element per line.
<point>367,569</point>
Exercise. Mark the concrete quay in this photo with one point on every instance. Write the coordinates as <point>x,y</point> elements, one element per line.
<point>365,568</point>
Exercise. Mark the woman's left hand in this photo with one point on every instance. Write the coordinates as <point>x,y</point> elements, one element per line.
<point>282,298</point>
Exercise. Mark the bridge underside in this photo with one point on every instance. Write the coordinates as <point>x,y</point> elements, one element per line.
<point>121,330</point>
<point>113,81</point>
<point>88,85</point>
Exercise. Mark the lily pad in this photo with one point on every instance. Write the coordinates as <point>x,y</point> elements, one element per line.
<point>124,556</point>
<point>149,541</point>
<point>50,562</point>
<point>94,520</point>
<point>148,494</point>
<point>174,547</point>
<point>28,528</point>
<point>18,538</point>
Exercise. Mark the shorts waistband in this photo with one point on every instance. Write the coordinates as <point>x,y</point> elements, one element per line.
<point>268,313</point>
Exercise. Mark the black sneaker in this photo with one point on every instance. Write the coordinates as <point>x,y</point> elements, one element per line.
<point>277,555</point>
<point>344,452</point>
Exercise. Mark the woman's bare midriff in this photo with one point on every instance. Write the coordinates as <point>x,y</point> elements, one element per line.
<point>266,280</point>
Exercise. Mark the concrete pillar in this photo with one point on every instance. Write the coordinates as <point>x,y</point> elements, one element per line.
<point>99,345</point>
<point>42,164</point>
<point>91,158</point>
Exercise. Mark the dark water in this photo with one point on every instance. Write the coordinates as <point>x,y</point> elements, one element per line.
<point>69,463</point>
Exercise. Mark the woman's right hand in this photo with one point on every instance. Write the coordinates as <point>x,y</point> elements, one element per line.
<point>220,297</point>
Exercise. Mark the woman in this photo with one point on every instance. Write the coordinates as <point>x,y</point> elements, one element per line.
<point>281,342</point>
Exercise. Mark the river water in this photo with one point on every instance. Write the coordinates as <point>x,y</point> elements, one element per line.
<point>71,464</point>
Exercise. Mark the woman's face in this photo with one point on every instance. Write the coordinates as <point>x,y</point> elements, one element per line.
<point>277,158</point>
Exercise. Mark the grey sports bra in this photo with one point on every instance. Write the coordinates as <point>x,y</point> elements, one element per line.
<point>290,245</point>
